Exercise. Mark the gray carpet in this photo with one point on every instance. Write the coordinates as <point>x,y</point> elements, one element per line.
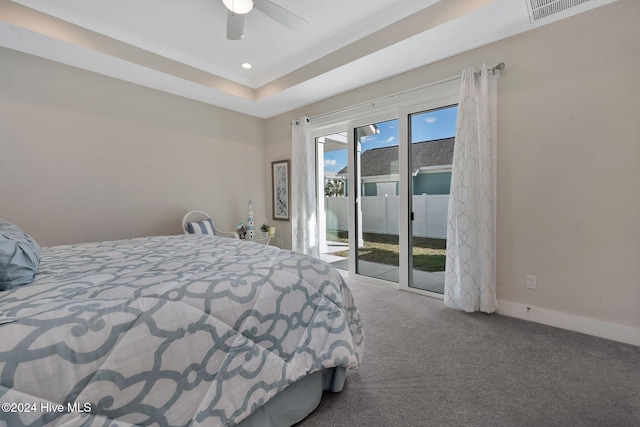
<point>427,365</point>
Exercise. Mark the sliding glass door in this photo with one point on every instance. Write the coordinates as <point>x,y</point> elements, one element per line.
<point>432,139</point>
<point>395,165</point>
<point>377,201</point>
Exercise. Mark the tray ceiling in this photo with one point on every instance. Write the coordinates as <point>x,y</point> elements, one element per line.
<point>180,46</point>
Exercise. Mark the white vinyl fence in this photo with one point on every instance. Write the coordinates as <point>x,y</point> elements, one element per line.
<point>380,214</point>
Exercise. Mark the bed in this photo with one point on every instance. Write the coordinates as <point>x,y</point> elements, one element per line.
<point>174,331</point>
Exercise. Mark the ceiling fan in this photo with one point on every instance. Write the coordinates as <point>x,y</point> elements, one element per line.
<point>238,8</point>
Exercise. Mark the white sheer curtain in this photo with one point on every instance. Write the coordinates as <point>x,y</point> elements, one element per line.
<point>304,221</point>
<point>470,274</point>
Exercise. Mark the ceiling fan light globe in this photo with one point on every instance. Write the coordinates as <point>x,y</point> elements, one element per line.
<point>239,7</point>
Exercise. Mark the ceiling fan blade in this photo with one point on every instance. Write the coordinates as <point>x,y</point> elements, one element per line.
<point>282,15</point>
<point>235,26</point>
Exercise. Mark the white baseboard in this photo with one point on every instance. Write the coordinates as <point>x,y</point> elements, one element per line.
<point>572,322</point>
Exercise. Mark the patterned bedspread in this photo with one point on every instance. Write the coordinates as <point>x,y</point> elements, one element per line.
<point>168,331</point>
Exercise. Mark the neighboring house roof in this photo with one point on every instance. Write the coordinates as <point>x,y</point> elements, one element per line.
<point>384,161</point>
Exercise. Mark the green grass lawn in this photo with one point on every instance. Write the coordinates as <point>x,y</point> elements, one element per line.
<point>428,254</point>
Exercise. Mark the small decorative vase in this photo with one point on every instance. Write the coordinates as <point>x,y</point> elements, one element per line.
<point>265,234</point>
<point>272,231</point>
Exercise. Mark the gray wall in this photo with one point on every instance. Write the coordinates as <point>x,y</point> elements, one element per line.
<point>568,150</point>
<point>84,157</point>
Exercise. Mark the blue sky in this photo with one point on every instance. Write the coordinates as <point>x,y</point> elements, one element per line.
<point>426,126</point>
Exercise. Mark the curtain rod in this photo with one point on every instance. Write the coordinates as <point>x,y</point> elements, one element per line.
<point>498,66</point>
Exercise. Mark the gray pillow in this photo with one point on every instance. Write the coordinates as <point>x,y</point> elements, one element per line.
<point>19,256</point>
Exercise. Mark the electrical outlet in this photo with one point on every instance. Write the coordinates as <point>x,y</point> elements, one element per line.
<point>531,282</point>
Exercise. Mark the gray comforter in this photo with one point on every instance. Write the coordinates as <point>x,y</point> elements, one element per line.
<point>168,331</point>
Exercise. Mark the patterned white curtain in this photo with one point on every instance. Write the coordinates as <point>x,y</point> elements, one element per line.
<point>470,274</point>
<point>304,221</point>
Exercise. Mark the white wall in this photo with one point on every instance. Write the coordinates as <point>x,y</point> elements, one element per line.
<point>568,150</point>
<point>84,157</point>
<point>277,147</point>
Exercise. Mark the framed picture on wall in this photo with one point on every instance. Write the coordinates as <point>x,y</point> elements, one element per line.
<point>281,189</point>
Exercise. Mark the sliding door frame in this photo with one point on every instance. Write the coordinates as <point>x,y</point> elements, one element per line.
<point>400,106</point>
<point>406,186</point>
<point>355,188</point>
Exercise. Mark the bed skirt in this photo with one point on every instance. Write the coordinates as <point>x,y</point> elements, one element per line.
<point>298,400</point>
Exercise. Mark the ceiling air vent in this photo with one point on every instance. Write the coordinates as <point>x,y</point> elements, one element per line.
<point>539,9</point>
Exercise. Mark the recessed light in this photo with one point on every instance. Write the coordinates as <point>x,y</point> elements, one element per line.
<point>246,65</point>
